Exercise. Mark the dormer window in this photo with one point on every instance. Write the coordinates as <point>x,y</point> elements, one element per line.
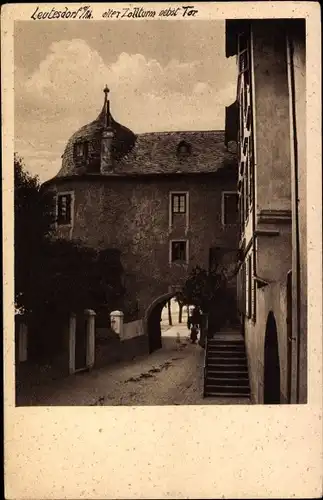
<point>81,149</point>
<point>183,149</point>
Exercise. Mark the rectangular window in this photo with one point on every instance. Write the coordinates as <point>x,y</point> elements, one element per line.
<point>251,173</point>
<point>179,203</point>
<point>242,206</point>
<point>241,212</point>
<point>253,294</point>
<point>245,198</point>
<point>230,211</point>
<point>80,151</point>
<point>247,183</point>
<point>243,61</point>
<point>64,209</point>
<point>248,124</point>
<point>178,251</point>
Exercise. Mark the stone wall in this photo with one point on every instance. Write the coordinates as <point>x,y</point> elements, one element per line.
<point>132,214</point>
<point>272,125</point>
<point>110,348</point>
<point>132,329</point>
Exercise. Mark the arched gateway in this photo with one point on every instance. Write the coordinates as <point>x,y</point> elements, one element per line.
<point>271,362</point>
<point>152,321</point>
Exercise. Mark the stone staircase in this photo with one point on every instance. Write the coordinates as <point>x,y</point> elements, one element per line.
<point>225,367</point>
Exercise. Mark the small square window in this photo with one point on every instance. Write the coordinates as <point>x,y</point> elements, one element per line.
<point>64,212</point>
<point>178,251</point>
<point>179,203</point>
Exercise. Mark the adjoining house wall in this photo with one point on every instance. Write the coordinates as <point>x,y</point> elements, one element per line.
<point>272,234</point>
<point>272,174</point>
<point>298,63</point>
<point>278,97</point>
<point>272,297</point>
<point>133,216</point>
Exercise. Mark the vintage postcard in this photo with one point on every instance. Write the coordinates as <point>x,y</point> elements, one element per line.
<point>162,218</point>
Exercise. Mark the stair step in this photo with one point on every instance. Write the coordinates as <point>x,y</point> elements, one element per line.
<point>220,350</point>
<point>227,361</point>
<point>228,347</point>
<point>227,374</point>
<point>225,342</point>
<point>216,352</point>
<point>233,340</point>
<point>232,382</point>
<point>227,389</point>
<point>209,394</point>
<point>228,366</point>
<point>226,354</point>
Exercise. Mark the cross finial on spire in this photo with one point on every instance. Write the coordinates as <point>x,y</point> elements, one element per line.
<point>106,90</point>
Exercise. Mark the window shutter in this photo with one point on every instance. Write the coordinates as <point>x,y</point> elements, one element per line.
<point>68,208</point>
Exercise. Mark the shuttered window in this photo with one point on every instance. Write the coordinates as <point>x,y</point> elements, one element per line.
<point>64,209</point>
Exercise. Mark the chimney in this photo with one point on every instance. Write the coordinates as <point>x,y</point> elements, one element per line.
<point>107,137</point>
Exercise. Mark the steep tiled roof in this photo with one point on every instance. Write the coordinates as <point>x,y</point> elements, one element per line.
<point>149,153</point>
<point>157,153</point>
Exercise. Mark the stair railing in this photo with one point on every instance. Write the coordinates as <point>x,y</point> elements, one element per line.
<point>205,341</point>
<point>205,364</point>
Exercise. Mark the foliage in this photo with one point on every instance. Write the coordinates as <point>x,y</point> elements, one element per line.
<point>210,292</point>
<point>202,288</point>
<point>33,224</point>
<point>54,275</point>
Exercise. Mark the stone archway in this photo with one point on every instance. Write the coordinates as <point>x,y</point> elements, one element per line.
<point>271,363</point>
<point>152,321</point>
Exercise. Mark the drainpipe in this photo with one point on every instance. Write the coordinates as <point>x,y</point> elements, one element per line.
<point>290,49</point>
<point>254,160</point>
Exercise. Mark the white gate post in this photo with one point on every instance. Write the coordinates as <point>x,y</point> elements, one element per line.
<point>116,319</point>
<point>90,331</point>
<point>72,333</point>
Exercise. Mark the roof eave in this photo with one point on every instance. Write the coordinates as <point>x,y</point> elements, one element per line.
<point>232,28</point>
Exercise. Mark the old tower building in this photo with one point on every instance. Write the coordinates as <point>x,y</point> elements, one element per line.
<point>165,200</point>
<point>267,121</point>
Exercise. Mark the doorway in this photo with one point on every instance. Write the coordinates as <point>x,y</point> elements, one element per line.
<point>289,320</point>
<point>271,363</point>
<point>154,328</point>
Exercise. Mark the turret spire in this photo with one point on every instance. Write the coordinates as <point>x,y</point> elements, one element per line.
<point>107,136</point>
<point>106,91</point>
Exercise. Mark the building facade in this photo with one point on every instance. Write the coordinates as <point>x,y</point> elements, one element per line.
<point>165,200</point>
<point>267,122</point>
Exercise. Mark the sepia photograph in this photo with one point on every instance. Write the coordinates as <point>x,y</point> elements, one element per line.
<point>162,250</point>
<point>160,213</point>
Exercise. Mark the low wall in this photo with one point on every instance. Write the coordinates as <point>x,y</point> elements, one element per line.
<point>133,329</point>
<point>109,348</point>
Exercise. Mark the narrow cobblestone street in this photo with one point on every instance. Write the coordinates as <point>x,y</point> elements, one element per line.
<point>172,375</point>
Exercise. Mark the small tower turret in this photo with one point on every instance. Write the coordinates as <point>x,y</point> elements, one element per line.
<point>107,136</point>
